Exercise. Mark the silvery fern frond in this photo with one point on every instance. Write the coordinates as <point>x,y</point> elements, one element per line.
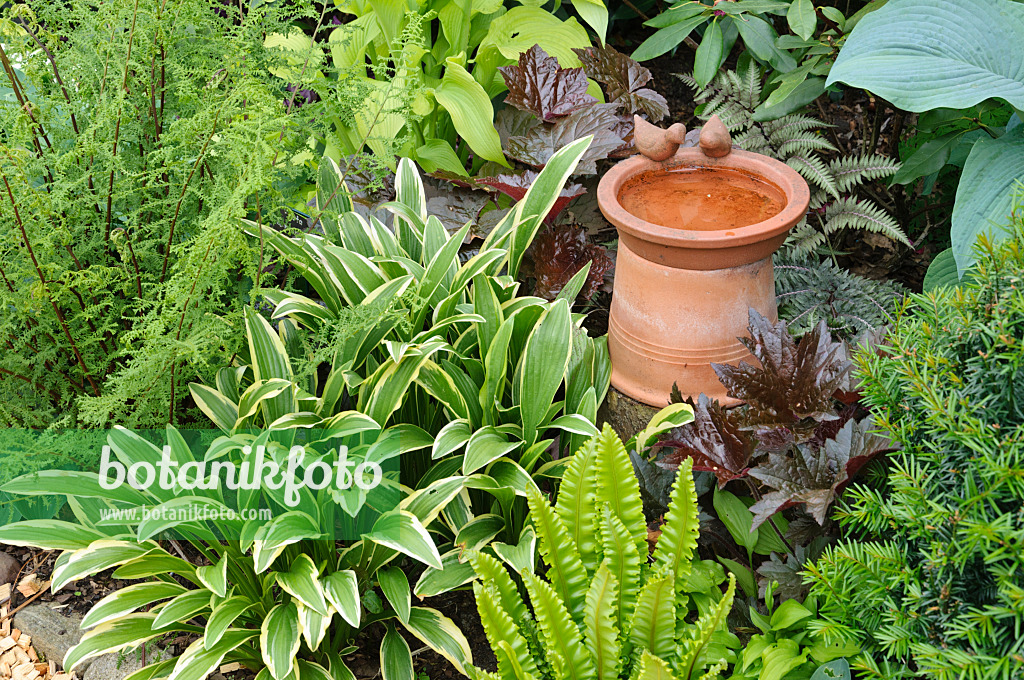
<point>851,171</point>
<point>852,213</point>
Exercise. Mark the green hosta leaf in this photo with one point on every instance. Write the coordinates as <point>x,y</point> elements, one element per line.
<point>402,531</point>
<point>426,503</point>
<point>455,572</point>
<point>270,360</point>
<point>485,446</point>
<point>470,108</point>
<point>600,620</point>
<point>985,196</point>
<point>838,670</point>
<point>927,54</point>
<point>342,591</point>
<point>218,408</point>
<point>313,625</point>
<point>395,657</point>
<point>941,272</point>
<point>744,576</point>
<point>395,586</point>
<point>154,671</point>
<point>71,483</point>
<point>479,532</point>
<point>183,607</point>
<point>521,28</point>
<point>49,534</point>
<point>198,661</point>
<point>224,614</point>
<point>99,556</point>
<point>215,576</point>
<point>780,658</point>
<point>280,640</point>
<point>126,632</point>
<point>442,635</point>
<point>789,613</point>
<point>282,531</point>
<point>737,519</point>
<point>127,600</point>
<point>543,367</point>
<point>561,637</point>
<point>595,14</point>
<point>302,581</point>
<point>929,158</point>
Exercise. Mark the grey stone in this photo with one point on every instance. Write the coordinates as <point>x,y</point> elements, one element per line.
<point>53,634</point>
<point>9,568</point>
<point>113,666</point>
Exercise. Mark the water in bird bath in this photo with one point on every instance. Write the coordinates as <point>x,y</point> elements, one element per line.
<point>701,199</point>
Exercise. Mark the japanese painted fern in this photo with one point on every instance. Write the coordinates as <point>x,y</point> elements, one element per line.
<point>795,140</point>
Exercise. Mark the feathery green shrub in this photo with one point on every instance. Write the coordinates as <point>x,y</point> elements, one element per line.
<point>132,136</point>
<point>930,582</point>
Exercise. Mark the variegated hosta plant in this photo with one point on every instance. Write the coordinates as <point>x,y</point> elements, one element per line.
<point>500,380</point>
<point>284,597</point>
<point>603,610</point>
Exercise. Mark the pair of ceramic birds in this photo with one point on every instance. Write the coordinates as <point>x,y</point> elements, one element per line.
<point>660,144</point>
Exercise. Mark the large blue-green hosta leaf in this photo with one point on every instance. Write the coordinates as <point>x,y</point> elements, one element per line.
<point>926,54</point>
<point>985,196</point>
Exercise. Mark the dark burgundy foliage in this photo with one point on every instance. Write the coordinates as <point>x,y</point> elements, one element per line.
<point>511,122</point>
<point>814,475</point>
<point>516,186</point>
<point>539,85</point>
<point>558,253</point>
<point>785,572</point>
<point>795,380</point>
<point>715,440</point>
<point>624,80</point>
<point>540,143</point>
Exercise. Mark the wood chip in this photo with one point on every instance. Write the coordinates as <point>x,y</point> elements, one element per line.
<point>5,593</point>
<point>25,641</point>
<point>7,643</point>
<point>231,667</point>
<point>30,585</point>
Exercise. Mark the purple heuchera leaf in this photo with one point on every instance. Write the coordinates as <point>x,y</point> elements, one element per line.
<point>794,381</point>
<point>516,186</point>
<point>715,439</point>
<point>624,79</point>
<point>537,146</point>
<point>539,85</point>
<point>558,253</point>
<point>815,475</point>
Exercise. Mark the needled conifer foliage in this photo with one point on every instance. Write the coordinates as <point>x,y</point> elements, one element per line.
<point>133,134</point>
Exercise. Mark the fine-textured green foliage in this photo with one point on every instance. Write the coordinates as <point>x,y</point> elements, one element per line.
<point>134,133</point>
<point>934,589</point>
<point>603,610</point>
<point>809,291</point>
<point>795,140</point>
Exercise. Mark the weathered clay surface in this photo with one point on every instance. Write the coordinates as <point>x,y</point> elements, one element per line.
<point>656,143</point>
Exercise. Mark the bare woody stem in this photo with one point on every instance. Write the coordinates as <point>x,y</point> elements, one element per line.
<point>53,64</point>
<point>46,290</point>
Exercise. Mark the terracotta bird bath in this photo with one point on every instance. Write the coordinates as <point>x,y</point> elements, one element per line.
<point>697,230</point>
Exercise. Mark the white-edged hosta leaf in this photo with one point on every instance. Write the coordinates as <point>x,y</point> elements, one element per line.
<point>99,556</point>
<point>442,635</point>
<point>395,586</point>
<point>273,537</point>
<point>395,656</point>
<point>127,600</point>
<point>198,661</point>
<point>224,614</point>
<point>126,632</point>
<point>342,591</point>
<point>183,608</point>
<point>279,640</point>
<point>402,531</point>
<point>49,534</point>
<point>302,581</point>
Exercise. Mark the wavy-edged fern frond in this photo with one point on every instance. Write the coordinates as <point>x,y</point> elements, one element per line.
<point>600,620</point>
<point>561,638</point>
<point>654,621</point>
<point>623,561</point>
<point>796,140</point>
<point>566,570</point>
<point>502,631</point>
<point>679,534</point>
<point>691,649</point>
<point>621,492</point>
<point>576,504</point>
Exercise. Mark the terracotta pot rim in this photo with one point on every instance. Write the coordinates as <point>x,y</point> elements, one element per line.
<point>788,180</point>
